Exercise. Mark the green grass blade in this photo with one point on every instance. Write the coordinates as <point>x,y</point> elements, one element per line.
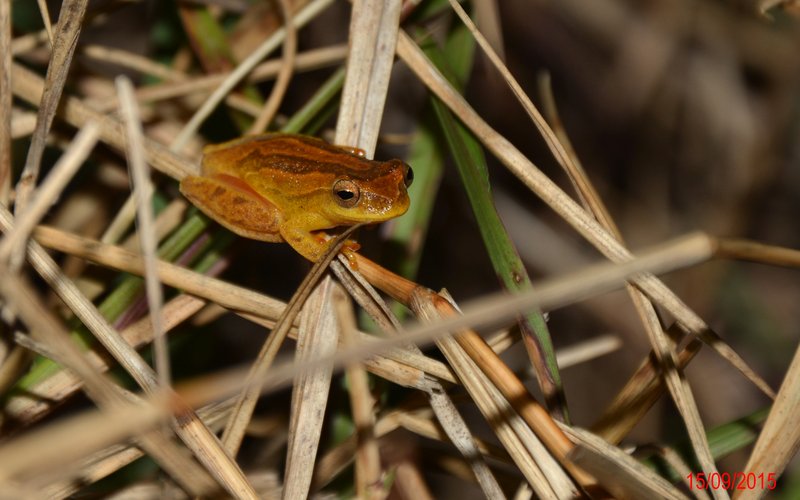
<point>508,266</point>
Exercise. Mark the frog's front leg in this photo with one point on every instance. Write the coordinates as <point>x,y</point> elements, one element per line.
<point>233,204</point>
<point>310,244</point>
<point>313,244</point>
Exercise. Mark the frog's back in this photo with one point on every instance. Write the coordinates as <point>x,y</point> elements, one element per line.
<point>286,154</point>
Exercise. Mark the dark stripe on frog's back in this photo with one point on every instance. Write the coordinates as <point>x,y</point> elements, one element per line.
<point>292,154</point>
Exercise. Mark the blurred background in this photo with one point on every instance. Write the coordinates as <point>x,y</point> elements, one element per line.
<point>686,115</point>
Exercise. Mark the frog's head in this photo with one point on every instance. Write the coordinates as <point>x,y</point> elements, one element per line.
<point>379,196</point>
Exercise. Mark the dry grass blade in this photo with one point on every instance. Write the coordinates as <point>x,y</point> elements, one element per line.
<point>259,308</point>
<point>14,241</point>
<point>779,440</point>
<point>665,355</point>
<point>643,388</point>
<point>176,311</point>
<point>14,362</point>
<point>674,460</point>
<point>66,39</point>
<point>678,387</point>
<point>367,461</point>
<point>312,388</point>
<point>23,123</point>
<point>241,71</point>
<point>143,192</point>
<point>28,42</point>
<point>122,221</point>
<point>528,453</point>
<point>511,388</point>
<point>26,409</point>
<point>30,87</point>
<point>225,294</point>
<point>76,438</point>
<point>338,458</point>
<point>97,466</point>
<point>205,446</point>
<point>664,350</point>
<point>401,366</point>
<point>486,313</point>
<point>365,295</point>
<point>458,433</point>
<point>558,149</point>
<point>561,203</point>
<point>317,337</point>
<point>101,389</point>
<point>638,395</point>
<point>245,404</point>
<point>409,480</point>
<point>421,421</point>
<point>5,101</point>
<point>101,464</point>
<point>305,61</point>
<point>373,35</point>
<point>47,329</point>
<point>199,439</point>
<point>133,61</point>
<point>284,74</point>
<point>758,252</point>
<point>487,12</point>
<point>621,474</point>
<point>585,351</point>
<point>570,162</point>
<point>446,412</point>
<point>45,13</point>
<point>596,279</point>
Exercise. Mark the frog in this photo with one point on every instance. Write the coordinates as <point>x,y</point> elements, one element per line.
<point>293,188</point>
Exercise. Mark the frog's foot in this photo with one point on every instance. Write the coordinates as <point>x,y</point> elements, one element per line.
<point>353,150</point>
<point>349,247</point>
<point>349,250</point>
<point>233,204</point>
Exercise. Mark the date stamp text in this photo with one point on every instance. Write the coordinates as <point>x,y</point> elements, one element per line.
<point>732,481</point>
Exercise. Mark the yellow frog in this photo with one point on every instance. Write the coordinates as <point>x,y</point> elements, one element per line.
<point>284,187</point>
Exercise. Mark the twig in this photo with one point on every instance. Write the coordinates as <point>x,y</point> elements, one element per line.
<point>284,74</point>
<point>143,192</point>
<point>12,246</point>
<point>241,71</point>
<point>66,39</point>
<point>5,101</point>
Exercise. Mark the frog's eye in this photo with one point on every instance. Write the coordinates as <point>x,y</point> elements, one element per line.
<point>409,176</point>
<point>346,193</point>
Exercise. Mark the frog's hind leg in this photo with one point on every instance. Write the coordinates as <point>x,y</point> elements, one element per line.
<point>234,205</point>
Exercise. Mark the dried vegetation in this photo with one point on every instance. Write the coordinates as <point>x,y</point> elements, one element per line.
<point>147,353</point>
